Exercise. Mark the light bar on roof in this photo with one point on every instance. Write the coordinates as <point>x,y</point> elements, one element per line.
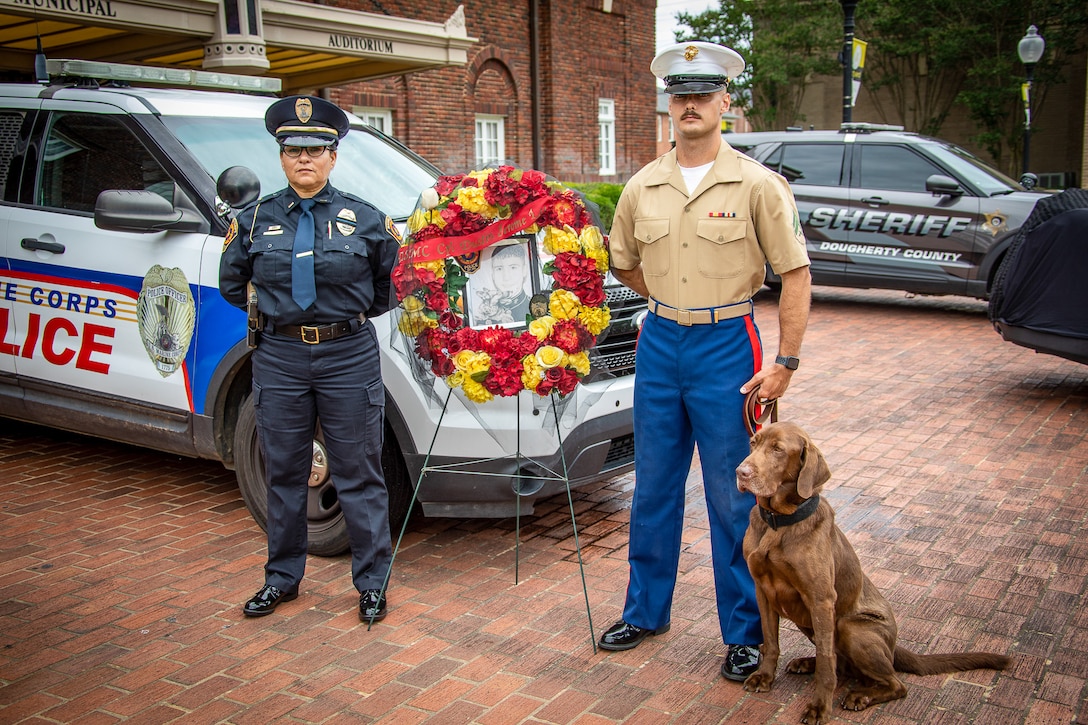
<point>176,77</point>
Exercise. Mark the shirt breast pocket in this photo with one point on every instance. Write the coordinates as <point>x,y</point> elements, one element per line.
<point>271,257</point>
<point>653,246</point>
<point>347,259</point>
<point>723,251</point>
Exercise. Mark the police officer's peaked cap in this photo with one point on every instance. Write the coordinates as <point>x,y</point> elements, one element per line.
<point>696,67</point>
<point>306,121</point>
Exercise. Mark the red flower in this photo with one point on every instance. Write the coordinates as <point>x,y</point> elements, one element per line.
<point>494,340</point>
<point>431,231</point>
<point>446,184</point>
<point>464,339</point>
<point>442,366</point>
<point>505,378</point>
<point>570,336</point>
<point>573,270</point>
<point>450,320</point>
<point>438,300</point>
<point>499,188</point>
<point>591,293</point>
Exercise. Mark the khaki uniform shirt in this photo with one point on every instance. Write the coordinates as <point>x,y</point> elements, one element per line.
<point>709,248</point>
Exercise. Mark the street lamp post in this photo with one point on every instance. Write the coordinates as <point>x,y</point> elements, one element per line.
<point>848,7</point>
<point>1030,50</point>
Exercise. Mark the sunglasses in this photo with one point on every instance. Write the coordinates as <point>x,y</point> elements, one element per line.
<point>312,151</point>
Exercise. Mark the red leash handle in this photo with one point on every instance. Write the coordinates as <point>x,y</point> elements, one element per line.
<point>758,413</point>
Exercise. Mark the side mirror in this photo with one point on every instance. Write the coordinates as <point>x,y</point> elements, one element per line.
<point>1029,180</point>
<point>238,186</point>
<point>144,211</point>
<point>944,185</point>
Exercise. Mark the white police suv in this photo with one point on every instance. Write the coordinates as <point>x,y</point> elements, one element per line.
<point>112,325</point>
<point>884,208</point>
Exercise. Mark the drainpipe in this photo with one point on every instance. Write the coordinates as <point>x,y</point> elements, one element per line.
<point>534,82</point>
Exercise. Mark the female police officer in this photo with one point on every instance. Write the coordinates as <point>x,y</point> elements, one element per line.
<point>319,260</point>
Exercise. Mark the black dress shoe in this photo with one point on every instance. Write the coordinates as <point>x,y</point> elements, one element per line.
<point>621,636</point>
<point>372,606</point>
<point>265,601</point>
<point>741,660</point>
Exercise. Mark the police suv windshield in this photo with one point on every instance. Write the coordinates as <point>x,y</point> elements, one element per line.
<point>986,179</point>
<point>367,165</point>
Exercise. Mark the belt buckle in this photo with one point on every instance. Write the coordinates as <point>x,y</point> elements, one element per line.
<point>684,317</point>
<point>310,335</point>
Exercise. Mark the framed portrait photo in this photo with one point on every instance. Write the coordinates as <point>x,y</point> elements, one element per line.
<point>499,292</point>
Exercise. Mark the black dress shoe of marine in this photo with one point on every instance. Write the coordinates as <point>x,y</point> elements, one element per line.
<point>372,606</point>
<point>265,601</point>
<point>621,636</point>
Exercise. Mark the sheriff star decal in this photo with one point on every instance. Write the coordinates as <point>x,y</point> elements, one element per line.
<point>996,222</point>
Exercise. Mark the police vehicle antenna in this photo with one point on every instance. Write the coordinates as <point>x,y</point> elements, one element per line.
<point>41,75</point>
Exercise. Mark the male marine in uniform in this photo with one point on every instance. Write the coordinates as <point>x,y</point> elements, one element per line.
<point>692,233</point>
<point>320,261</point>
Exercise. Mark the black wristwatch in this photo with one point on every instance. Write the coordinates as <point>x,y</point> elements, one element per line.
<point>790,362</point>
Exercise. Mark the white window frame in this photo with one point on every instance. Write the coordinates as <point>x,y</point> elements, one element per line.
<point>606,125</point>
<point>490,140</point>
<point>379,118</point>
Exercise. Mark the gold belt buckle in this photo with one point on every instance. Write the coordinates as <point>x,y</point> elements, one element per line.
<point>684,317</point>
<point>310,335</point>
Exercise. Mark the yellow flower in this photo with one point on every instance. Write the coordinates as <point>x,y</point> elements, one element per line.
<point>557,241</point>
<point>591,238</point>
<point>471,198</point>
<point>531,372</point>
<point>415,323</point>
<point>476,392</point>
<point>600,257</point>
<point>550,356</point>
<point>472,361</point>
<point>541,327</point>
<point>455,379</point>
<point>411,304</point>
<point>564,304</point>
<point>595,319</point>
<point>438,266</point>
<point>481,175</point>
<point>579,361</point>
<point>417,221</point>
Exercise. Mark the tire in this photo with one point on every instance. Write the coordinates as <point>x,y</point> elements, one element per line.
<point>328,533</point>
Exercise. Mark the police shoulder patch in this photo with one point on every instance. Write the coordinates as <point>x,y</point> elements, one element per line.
<point>392,229</point>
<point>232,234</point>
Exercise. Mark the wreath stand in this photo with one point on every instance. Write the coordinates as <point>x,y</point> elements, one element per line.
<point>517,457</point>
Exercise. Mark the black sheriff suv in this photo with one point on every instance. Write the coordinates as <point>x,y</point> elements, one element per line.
<point>884,208</point>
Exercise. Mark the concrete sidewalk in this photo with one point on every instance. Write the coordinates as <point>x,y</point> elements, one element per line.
<point>959,472</point>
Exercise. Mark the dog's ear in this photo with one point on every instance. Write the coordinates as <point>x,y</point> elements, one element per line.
<point>814,471</point>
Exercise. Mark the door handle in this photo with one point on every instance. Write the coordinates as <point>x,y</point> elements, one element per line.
<point>875,200</point>
<point>32,243</point>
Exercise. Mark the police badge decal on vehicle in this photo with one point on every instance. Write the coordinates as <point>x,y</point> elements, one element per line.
<point>166,314</point>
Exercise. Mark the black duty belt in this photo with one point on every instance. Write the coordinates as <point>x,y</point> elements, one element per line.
<point>313,334</point>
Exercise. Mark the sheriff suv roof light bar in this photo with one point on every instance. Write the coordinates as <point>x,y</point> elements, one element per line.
<point>867,127</point>
<point>176,77</point>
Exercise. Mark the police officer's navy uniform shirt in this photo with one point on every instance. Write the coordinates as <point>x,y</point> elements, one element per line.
<point>355,248</point>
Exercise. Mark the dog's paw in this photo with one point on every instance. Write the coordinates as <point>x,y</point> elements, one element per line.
<point>759,682</point>
<point>856,701</point>
<point>802,666</point>
<point>815,713</point>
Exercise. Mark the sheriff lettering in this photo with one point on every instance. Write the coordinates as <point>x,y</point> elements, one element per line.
<point>99,8</point>
<point>887,222</point>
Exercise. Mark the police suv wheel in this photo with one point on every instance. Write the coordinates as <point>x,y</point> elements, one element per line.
<point>328,534</point>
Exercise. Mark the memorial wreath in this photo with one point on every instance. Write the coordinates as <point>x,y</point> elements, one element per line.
<point>453,222</point>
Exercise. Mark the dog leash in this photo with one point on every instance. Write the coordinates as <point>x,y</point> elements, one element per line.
<point>753,416</point>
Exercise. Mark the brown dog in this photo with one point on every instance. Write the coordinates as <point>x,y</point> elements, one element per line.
<point>806,571</point>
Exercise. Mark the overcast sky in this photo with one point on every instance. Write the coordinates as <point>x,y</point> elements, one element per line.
<point>666,17</point>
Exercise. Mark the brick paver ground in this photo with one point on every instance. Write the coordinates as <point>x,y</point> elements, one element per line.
<point>959,474</point>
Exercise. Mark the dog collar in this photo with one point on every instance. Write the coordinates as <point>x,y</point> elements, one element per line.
<point>774,520</point>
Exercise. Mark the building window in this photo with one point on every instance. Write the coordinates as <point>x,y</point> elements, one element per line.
<point>379,118</point>
<point>490,140</point>
<point>606,121</point>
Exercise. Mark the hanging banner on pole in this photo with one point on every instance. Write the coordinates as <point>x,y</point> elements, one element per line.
<point>1025,94</point>
<point>858,65</point>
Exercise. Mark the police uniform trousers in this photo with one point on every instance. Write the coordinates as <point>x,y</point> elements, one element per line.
<point>338,381</point>
<point>687,382</point>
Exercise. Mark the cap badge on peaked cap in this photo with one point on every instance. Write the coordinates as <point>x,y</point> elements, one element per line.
<point>690,53</point>
<point>304,109</point>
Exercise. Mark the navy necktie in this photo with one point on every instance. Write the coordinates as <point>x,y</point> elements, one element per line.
<point>303,288</point>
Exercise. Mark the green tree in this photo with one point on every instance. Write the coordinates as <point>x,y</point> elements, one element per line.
<point>784,42</point>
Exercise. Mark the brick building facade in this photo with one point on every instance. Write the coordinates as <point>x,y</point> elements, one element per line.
<point>548,75</point>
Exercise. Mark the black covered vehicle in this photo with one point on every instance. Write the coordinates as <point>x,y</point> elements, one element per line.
<point>888,209</point>
<point>1040,295</point>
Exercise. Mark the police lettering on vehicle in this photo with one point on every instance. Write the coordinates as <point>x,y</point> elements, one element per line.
<point>887,222</point>
<point>876,250</point>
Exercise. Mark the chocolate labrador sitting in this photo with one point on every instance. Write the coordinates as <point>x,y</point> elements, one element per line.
<point>806,571</point>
